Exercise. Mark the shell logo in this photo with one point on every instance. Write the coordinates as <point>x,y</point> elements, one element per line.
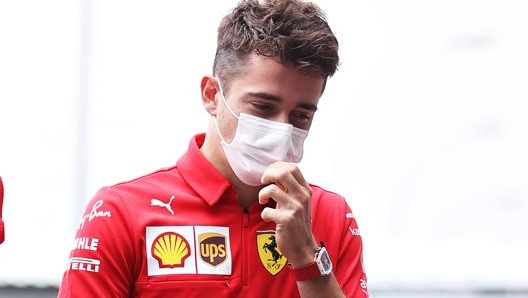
<point>171,250</point>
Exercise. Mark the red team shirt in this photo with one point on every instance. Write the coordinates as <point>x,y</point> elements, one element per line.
<point>180,232</point>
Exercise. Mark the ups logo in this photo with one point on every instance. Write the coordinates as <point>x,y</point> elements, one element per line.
<point>212,248</point>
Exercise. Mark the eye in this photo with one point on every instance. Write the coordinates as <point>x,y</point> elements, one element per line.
<point>302,115</point>
<point>262,108</point>
<point>301,119</point>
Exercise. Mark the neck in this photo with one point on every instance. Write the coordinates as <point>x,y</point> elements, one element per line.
<point>247,195</point>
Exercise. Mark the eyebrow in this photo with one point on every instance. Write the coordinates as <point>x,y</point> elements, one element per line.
<point>267,96</point>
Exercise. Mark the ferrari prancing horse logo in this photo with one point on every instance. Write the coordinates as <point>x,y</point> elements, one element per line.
<point>269,253</point>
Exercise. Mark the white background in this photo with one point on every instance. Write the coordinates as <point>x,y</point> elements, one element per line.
<point>424,128</point>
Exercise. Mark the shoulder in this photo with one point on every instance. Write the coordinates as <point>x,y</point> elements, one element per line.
<point>126,198</point>
<point>138,188</point>
<point>331,208</point>
<point>322,197</point>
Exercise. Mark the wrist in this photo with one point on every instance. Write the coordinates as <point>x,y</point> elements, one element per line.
<point>303,257</point>
<point>320,265</point>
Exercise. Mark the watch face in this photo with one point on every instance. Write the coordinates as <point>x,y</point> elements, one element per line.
<point>327,263</point>
<point>323,262</point>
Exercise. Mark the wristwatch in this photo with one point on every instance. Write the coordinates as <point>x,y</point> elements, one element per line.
<point>321,266</point>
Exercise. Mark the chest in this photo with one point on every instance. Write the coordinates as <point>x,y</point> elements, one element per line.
<point>185,244</point>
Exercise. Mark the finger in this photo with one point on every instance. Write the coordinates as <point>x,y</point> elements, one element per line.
<point>294,171</point>
<point>292,168</point>
<point>281,173</point>
<point>299,176</point>
<point>275,215</point>
<point>284,176</point>
<point>271,191</point>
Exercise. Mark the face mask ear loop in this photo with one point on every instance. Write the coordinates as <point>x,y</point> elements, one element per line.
<point>228,107</point>
<point>218,130</point>
<point>224,99</point>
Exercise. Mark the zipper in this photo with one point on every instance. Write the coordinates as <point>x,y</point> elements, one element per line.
<point>245,252</point>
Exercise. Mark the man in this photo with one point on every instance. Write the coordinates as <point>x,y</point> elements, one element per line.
<point>234,217</point>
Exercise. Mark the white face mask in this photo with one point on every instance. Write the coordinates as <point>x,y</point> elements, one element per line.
<point>258,143</point>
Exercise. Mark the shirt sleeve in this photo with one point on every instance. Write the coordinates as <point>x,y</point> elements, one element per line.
<point>349,269</point>
<point>101,263</point>
<point>334,224</point>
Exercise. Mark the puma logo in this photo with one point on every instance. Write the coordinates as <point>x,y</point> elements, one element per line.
<point>157,202</point>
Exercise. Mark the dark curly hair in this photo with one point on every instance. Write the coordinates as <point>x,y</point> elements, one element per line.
<point>294,31</point>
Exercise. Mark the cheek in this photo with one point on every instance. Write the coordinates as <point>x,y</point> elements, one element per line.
<point>227,124</point>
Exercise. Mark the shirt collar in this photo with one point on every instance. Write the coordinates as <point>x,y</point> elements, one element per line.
<point>200,174</point>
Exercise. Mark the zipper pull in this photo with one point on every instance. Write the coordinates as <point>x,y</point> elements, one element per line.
<point>246,217</point>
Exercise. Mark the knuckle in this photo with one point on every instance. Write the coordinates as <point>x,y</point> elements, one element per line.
<point>290,219</point>
<point>292,167</point>
<point>274,190</point>
<point>305,195</point>
<point>283,172</point>
<point>308,192</point>
<point>304,201</point>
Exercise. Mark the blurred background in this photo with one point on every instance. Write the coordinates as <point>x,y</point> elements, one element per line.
<point>424,130</point>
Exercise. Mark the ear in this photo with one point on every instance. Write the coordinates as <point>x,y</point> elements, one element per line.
<point>209,87</point>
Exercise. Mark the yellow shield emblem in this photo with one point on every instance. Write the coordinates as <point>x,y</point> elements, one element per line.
<point>269,253</point>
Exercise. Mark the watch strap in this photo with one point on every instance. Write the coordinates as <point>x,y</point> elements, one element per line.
<point>308,272</point>
<point>315,268</point>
